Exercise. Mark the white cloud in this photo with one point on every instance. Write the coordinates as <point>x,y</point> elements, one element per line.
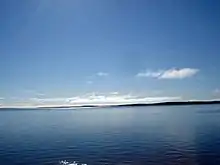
<point>101,99</point>
<point>179,73</point>
<point>170,73</point>
<point>102,74</point>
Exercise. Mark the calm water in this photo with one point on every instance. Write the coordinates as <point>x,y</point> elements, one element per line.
<point>176,135</point>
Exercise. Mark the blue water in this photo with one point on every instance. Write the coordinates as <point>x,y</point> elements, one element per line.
<point>165,135</point>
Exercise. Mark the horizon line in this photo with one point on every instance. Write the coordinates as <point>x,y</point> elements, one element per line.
<point>109,105</point>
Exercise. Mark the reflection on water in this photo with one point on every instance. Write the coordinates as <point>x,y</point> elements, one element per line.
<point>176,135</point>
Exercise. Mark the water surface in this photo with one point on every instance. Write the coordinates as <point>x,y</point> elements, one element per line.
<point>164,135</point>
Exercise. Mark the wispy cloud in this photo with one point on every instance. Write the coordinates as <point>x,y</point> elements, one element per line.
<point>170,73</point>
<point>102,74</point>
<point>148,73</point>
<point>93,78</point>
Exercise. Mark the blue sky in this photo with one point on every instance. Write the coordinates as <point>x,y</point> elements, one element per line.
<point>56,52</point>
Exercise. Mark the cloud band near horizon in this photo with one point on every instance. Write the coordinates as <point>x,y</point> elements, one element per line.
<point>112,98</point>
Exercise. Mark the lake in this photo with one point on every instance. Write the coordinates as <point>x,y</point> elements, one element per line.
<point>157,135</point>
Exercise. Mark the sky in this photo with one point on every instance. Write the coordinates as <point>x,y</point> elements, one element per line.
<point>56,52</point>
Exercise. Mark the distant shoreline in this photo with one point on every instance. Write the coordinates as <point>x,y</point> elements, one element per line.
<point>172,103</point>
<point>141,104</point>
<point>179,103</point>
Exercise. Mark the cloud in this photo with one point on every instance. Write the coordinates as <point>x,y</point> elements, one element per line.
<point>179,73</point>
<point>170,73</point>
<point>149,73</point>
<point>101,99</point>
<point>92,79</point>
<point>102,74</point>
